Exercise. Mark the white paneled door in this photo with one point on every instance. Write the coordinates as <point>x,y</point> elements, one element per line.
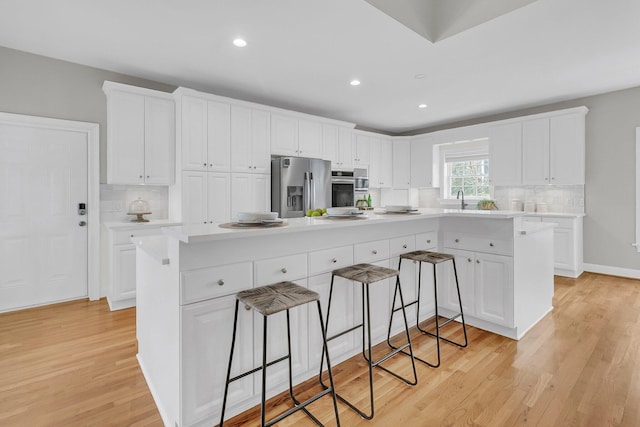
<point>43,245</point>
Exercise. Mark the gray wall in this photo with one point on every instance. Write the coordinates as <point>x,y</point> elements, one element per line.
<point>609,227</point>
<point>39,86</point>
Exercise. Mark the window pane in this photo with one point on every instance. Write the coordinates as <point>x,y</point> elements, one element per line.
<point>470,176</point>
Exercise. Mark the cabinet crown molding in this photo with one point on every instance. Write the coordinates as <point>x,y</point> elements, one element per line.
<point>109,86</point>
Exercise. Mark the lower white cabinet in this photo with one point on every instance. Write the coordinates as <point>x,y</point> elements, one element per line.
<point>206,197</point>
<point>486,286</point>
<point>250,193</point>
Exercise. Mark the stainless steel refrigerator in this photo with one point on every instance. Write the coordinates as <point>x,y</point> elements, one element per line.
<point>299,184</point>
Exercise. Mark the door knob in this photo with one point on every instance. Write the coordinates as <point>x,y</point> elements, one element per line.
<point>82,223</point>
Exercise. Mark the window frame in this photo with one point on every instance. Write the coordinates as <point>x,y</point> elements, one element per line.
<point>474,149</point>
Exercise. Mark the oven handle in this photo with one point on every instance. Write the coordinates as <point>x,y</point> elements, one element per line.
<point>343,181</point>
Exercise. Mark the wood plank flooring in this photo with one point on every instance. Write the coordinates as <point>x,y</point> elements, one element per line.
<point>73,364</point>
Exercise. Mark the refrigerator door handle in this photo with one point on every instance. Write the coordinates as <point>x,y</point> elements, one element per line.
<point>306,192</point>
<point>312,185</point>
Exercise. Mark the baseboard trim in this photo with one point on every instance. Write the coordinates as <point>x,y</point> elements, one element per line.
<point>612,271</point>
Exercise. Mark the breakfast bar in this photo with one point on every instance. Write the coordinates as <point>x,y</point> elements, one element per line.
<point>188,277</point>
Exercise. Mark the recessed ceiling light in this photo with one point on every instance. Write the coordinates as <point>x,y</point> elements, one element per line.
<point>355,82</point>
<point>419,76</point>
<point>240,42</point>
<point>422,106</point>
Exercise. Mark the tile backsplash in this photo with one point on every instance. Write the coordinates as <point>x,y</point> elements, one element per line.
<point>559,198</point>
<point>115,200</point>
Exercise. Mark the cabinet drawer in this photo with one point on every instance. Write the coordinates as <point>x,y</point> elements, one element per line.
<point>400,245</point>
<point>206,283</point>
<point>561,222</point>
<point>120,237</point>
<point>330,259</point>
<point>427,241</point>
<point>531,219</point>
<point>476,243</point>
<point>371,251</point>
<point>276,270</point>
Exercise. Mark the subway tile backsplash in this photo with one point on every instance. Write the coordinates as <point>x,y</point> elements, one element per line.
<point>115,200</point>
<point>559,198</point>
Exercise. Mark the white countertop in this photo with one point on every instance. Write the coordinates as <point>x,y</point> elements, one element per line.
<point>555,214</point>
<point>156,246</point>
<point>214,232</point>
<point>130,225</point>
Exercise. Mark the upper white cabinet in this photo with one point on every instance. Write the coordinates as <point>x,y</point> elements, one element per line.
<point>362,150</point>
<point>381,166</point>
<point>422,162</point>
<point>505,154</point>
<point>401,164</point>
<point>205,134</point>
<point>140,135</point>
<point>296,137</point>
<point>250,136</point>
<point>553,149</point>
<point>337,146</point>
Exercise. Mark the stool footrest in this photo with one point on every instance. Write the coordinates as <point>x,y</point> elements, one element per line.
<point>389,355</point>
<point>409,304</point>
<point>338,335</point>
<point>298,407</point>
<point>449,320</point>
<point>259,368</point>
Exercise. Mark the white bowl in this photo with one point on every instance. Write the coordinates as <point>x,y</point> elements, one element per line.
<point>342,211</point>
<point>257,216</point>
<point>398,208</point>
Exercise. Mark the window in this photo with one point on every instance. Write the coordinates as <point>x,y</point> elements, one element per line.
<point>465,167</point>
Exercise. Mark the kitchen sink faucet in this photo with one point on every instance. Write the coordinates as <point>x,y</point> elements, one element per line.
<point>462,203</point>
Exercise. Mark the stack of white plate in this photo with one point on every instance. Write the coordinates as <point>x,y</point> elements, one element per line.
<point>258,218</point>
<point>399,208</point>
<point>343,212</point>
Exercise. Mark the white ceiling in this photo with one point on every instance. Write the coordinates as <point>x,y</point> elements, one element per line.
<point>303,53</point>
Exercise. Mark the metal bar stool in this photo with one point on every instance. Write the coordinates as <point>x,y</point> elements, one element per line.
<point>367,274</point>
<point>268,300</point>
<point>432,258</point>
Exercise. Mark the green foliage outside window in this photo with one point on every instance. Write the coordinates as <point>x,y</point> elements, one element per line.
<point>470,176</point>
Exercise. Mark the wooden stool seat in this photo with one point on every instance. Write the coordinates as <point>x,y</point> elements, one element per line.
<point>365,273</point>
<point>275,298</point>
<point>427,256</point>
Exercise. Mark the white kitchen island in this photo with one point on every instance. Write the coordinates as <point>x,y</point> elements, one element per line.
<point>187,279</point>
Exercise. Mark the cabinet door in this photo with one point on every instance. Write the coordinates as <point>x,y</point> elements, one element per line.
<point>261,193</point>
<point>194,198</point>
<point>563,247</point>
<point>194,134</point>
<point>401,165</point>
<point>218,197</point>
<point>421,163</point>
<point>330,144</point>
<point>567,149</point>
<point>535,152</point>
<point>284,135</point>
<point>241,200</point>
<point>386,164</point>
<point>218,136</point>
<point>505,154</point>
<point>447,294</point>
<point>126,138</point>
<point>160,136</point>
<point>345,148</point>
<point>309,139</point>
<point>341,318</point>
<point>374,165</point>
<point>494,288</point>
<point>278,374</point>
<point>124,272</point>
<point>260,141</point>
<point>204,356</point>
<point>362,150</point>
<point>380,294</point>
<point>241,160</point>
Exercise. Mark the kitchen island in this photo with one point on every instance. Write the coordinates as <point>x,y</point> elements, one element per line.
<point>187,279</point>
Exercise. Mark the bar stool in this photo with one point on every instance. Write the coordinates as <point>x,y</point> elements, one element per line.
<point>367,274</point>
<point>432,258</point>
<point>268,300</point>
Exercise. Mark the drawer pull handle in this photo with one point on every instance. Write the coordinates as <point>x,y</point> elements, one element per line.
<point>374,252</point>
<point>284,270</point>
<point>429,241</point>
<point>477,261</point>
<point>205,164</point>
<point>491,244</point>
<point>246,307</point>
<point>132,235</point>
<point>221,282</point>
<point>404,246</point>
<point>469,259</point>
<point>457,240</point>
<point>334,260</point>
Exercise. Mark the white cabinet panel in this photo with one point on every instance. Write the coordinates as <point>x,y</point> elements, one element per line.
<point>535,152</point>
<point>261,192</point>
<point>362,151</point>
<point>345,148</point>
<point>250,193</point>
<point>260,141</point>
<point>212,282</point>
<point>125,132</point>
<point>194,198</point>
<point>494,288</point>
<point>124,269</point>
<point>421,163</point>
<point>309,139</point>
<point>159,147</point>
<point>567,149</point>
<point>284,135</point>
<point>401,165</point>
<point>250,136</point>
<point>218,136</point>
<point>218,197</point>
<point>330,144</point>
<point>279,269</point>
<point>505,154</point>
<point>204,352</point>
<point>447,293</point>
<point>194,133</point>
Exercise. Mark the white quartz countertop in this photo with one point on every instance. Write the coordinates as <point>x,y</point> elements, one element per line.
<point>207,232</point>
<point>156,246</point>
<point>129,225</point>
<point>555,214</point>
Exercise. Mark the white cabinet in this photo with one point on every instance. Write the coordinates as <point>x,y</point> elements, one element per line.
<point>421,163</point>
<point>140,135</point>
<point>294,137</point>
<point>567,244</point>
<point>205,134</point>
<point>205,197</point>
<point>337,146</point>
<point>250,140</point>
<point>204,352</point>
<point>250,193</point>
<point>505,154</point>
<point>362,150</point>
<point>401,165</point>
<point>381,167</point>
<point>553,149</point>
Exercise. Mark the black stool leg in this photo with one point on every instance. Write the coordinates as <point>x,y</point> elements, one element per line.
<point>464,325</point>
<point>264,371</point>
<point>325,332</point>
<point>226,384</point>
<point>326,351</point>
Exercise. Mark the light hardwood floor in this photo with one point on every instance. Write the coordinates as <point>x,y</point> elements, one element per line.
<point>73,364</point>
